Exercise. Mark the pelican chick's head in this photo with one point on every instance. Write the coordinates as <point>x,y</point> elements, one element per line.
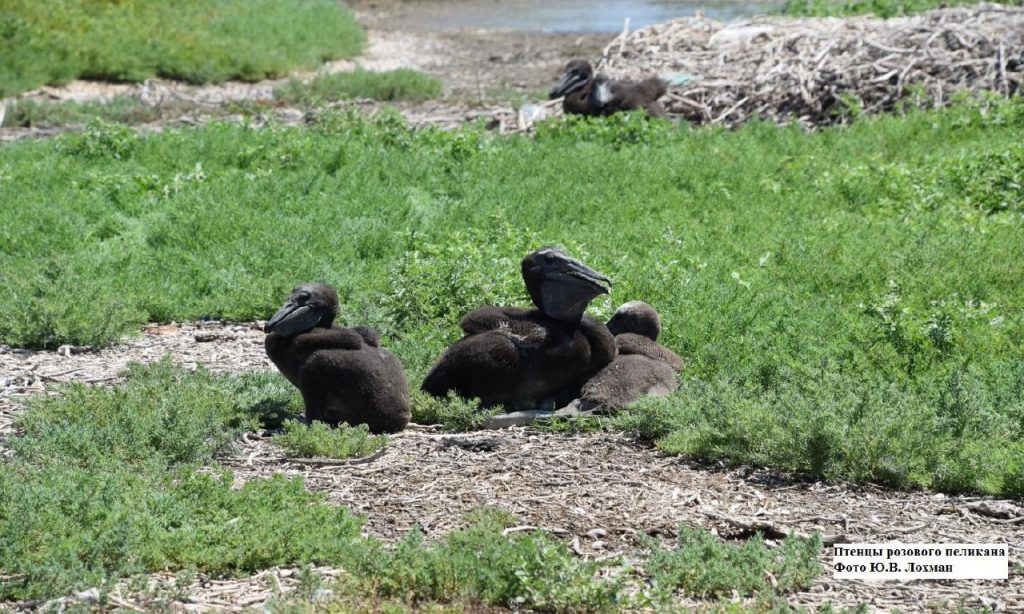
<point>561,286</point>
<point>308,306</point>
<point>636,317</point>
<point>576,75</point>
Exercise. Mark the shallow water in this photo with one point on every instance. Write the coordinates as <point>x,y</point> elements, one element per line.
<point>569,15</point>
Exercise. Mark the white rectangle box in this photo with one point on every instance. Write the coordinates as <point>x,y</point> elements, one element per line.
<point>895,561</point>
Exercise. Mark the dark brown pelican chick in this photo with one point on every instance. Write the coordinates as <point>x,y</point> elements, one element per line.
<point>522,357</point>
<point>576,87</point>
<point>586,94</point>
<point>642,366</point>
<point>343,373</point>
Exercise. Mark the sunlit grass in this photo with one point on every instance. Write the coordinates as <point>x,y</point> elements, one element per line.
<point>848,301</point>
<point>200,41</point>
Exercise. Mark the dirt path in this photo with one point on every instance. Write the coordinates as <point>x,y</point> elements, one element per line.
<point>596,491</point>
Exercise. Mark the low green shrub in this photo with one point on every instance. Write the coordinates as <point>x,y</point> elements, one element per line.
<point>161,414</point>
<point>479,563</point>
<point>319,439</point>
<point>452,412</point>
<point>702,565</point>
<point>959,435</point>
<point>618,130</point>
<point>102,484</point>
<point>100,139</point>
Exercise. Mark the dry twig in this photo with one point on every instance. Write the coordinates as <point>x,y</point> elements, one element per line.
<point>771,529</point>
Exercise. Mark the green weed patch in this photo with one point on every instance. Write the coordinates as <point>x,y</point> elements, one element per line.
<point>703,565</point>
<point>521,570</point>
<point>452,412</point>
<point>318,439</point>
<point>199,41</point>
<point>122,109</point>
<point>958,434</point>
<point>103,484</point>
<point>848,301</point>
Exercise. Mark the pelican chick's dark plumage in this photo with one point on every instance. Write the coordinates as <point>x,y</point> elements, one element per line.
<point>343,373</point>
<point>522,357</point>
<point>642,366</point>
<point>587,94</point>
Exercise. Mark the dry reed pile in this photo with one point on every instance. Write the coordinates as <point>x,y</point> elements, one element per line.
<point>821,71</point>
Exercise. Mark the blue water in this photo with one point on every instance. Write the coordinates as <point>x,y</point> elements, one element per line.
<point>570,15</point>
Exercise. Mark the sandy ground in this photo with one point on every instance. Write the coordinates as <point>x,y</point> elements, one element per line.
<point>595,491</point>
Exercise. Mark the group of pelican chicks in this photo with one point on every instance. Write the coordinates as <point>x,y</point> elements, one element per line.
<point>553,355</point>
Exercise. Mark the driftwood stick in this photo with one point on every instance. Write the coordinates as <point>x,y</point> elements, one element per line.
<point>624,36</point>
<point>529,416</point>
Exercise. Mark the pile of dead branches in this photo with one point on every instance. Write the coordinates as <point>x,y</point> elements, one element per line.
<point>821,71</point>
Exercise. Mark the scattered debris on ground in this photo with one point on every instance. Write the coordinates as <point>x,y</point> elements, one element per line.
<point>597,491</point>
<point>238,348</point>
<point>821,71</point>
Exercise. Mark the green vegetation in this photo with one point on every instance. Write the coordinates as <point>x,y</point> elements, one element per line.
<point>104,483</point>
<point>318,439</point>
<point>199,41</point>
<point>123,109</point>
<point>570,426</point>
<point>848,301</point>
<point>523,570</point>
<point>703,565</point>
<point>881,8</point>
<point>452,412</point>
<point>479,565</point>
<point>401,84</point>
